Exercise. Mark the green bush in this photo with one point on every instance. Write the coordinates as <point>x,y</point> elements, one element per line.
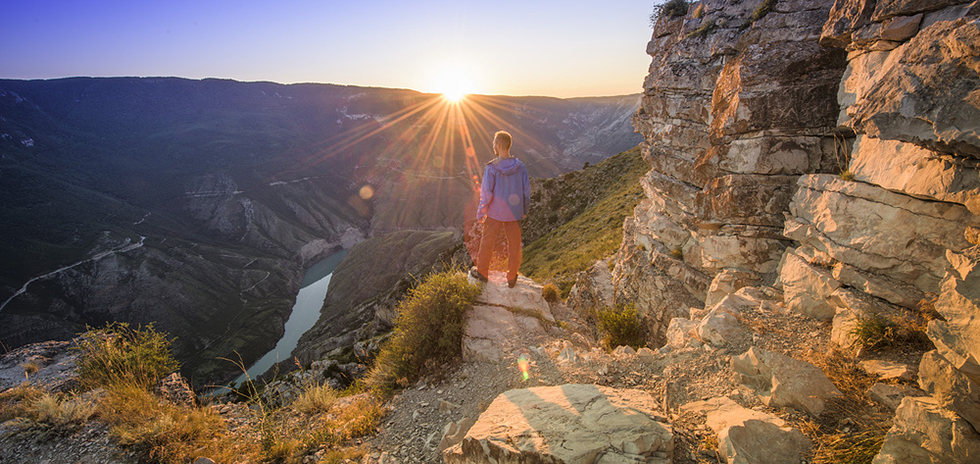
<point>121,354</point>
<point>621,326</point>
<point>428,331</point>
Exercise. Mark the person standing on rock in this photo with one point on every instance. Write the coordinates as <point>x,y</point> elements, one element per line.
<point>504,198</point>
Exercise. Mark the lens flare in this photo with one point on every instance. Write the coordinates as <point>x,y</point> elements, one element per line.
<point>367,192</point>
<point>524,364</point>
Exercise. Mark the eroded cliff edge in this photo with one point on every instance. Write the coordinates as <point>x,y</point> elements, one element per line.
<point>827,151</point>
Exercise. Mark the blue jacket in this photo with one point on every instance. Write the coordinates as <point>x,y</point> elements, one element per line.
<point>506,190</point>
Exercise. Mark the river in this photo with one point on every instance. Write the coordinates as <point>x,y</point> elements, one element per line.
<point>305,313</point>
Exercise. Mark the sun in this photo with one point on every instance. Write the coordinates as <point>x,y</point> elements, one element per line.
<point>453,84</point>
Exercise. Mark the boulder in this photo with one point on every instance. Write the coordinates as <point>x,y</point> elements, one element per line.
<point>924,432</point>
<point>55,363</point>
<point>951,389</point>
<point>569,424</point>
<point>749,436</point>
<point>781,381</point>
<point>806,288</point>
<point>721,326</point>
<point>681,331</point>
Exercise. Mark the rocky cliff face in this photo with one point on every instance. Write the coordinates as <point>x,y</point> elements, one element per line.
<point>738,105</point>
<point>829,149</point>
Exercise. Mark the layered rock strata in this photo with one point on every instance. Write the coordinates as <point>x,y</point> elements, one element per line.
<point>740,101</point>
<point>831,150</point>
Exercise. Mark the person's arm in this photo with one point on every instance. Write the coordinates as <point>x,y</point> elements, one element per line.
<point>486,194</point>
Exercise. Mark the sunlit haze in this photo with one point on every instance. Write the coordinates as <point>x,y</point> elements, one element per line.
<point>563,49</point>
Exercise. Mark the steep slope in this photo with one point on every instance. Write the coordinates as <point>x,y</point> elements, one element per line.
<point>197,204</point>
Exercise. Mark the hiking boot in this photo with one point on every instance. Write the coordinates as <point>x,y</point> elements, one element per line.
<point>512,283</point>
<point>476,275</point>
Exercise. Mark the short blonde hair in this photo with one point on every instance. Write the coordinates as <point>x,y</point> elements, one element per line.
<point>505,139</point>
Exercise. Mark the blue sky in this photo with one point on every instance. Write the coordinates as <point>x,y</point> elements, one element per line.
<point>557,48</point>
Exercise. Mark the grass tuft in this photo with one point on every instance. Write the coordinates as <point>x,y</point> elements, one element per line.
<point>876,332</point>
<point>119,354</point>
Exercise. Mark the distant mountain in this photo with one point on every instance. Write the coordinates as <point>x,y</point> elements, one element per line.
<point>198,204</point>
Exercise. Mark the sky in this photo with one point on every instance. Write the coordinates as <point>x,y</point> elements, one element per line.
<point>508,47</point>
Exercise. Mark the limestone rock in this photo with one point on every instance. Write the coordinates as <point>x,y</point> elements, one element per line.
<point>908,168</point>
<point>936,74</point>
<point>780,380</point>
<point>888,395</point>
<point>568,423</point>
<point>721,326</point>
<point>175,390</point>
<point>593,289</point>
<point>923,432</point>
<point>958,339</point>
<point>878,231</point>
<point>728,281</point>
<point>680,332</point>
<point>749,436</point>
<point>454,432</point>
<point>526,295</point>
<point>491,330</point>
<point>887,370</point>
<point>806,288</point>
<point>55,362</point>
<point>951,389</point>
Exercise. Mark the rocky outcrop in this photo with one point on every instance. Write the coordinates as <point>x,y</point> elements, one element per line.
<point>567,424</point>
<point>504,319</point>
<point>735,109</point>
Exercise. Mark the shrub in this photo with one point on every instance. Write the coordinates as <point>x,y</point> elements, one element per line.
<point>121,354</point>
<point>670,9</point>
<point>622,326</point>
<point>550,293</point>
<point>428,331</point>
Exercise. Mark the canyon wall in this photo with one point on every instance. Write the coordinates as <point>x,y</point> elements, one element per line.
<point>827,151</point>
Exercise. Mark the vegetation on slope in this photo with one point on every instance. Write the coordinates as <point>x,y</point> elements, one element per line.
<point>428,331</point>
<point>578,218</point>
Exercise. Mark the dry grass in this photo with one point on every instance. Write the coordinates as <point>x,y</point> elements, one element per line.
<point>852,427</point>
<point>163,432</point>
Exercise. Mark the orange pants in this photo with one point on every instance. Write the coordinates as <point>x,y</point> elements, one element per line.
<point>490,229</point>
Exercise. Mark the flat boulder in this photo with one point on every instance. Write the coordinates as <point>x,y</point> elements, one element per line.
<point>782,381</point>
<point>749,436</point>
<point>580,424</point>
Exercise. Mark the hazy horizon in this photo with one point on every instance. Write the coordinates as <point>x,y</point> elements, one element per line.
<point>557,49</point>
